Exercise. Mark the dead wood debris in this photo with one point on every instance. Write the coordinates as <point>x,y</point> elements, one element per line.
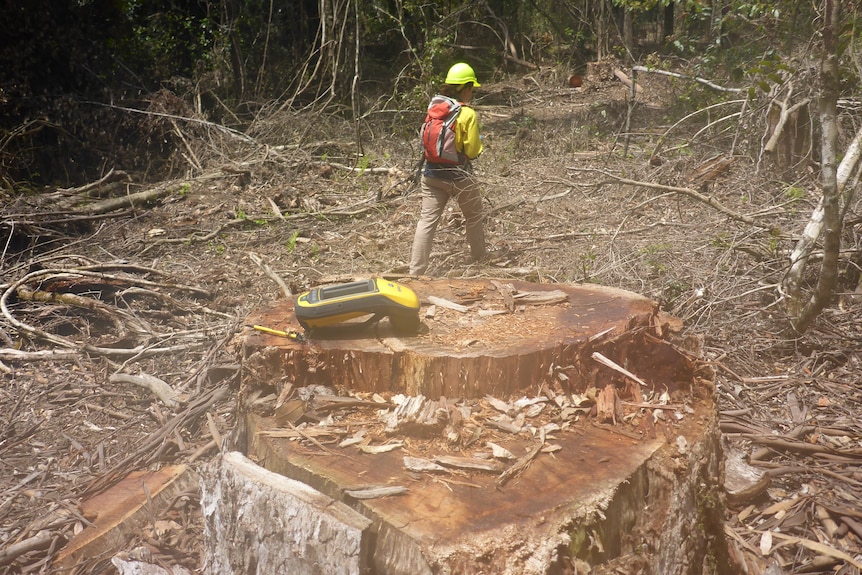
<point>453,428</point>
<point>794,466</point>
<point>110,324</point>
<point>112,293</point>
<point>42,468</point>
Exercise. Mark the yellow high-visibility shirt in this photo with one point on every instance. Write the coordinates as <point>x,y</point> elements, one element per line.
<point>467,133</point>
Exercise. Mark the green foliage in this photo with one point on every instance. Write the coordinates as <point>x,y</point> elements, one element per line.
<point>794,193</point>
<point>256,51</point>
<point>242,215</point>
<point>363,164</point>
<point>585,262</point>
<point>653,259</point>
<point>166,40</point>
<point>722,240</point>
<point>217,247</point>
<point>291,241</point>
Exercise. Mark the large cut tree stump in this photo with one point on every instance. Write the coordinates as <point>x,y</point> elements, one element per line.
<point>527,428</point>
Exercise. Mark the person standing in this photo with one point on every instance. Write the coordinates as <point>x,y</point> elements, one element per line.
<point>451,142</point>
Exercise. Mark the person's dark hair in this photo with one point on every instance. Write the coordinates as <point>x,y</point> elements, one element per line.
<point>454,91</point>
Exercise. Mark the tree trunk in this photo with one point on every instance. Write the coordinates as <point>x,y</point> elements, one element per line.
<point>667,28</point>
<point>803,315</point>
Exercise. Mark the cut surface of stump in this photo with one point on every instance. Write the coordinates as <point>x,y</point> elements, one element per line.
<point>505,437</point>
<point>477,337</point>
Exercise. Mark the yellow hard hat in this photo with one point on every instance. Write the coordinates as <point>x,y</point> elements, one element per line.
<point>461,73</point>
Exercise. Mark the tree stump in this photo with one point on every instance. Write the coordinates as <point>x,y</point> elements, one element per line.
<point>480,337</point>
<point>527,428</point>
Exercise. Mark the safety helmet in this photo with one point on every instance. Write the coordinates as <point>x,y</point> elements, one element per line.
<point>461,73</point>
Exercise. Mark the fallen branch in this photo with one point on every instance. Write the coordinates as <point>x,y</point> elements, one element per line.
<point>707,109</point>
<point>845,456</point>
<point>785,112</point>
<point>616,367</point>
<point>698,79</point>
<point>10,354</point>
<point>159,387</point>
<point>271,274</point>
<point>360,170</point>
<point>149,451</point>
<point>112,314</point>
<point>818,547</point>
<point>72,275</point>
<point>101,187</point>
<point>710,201</point>
<point>439,301</point>
<point>41,540</point>
<point>131,200</point>
<point>223,129</point>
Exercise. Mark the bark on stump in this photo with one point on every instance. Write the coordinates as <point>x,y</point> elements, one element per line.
<point>615,439</point>
<point>293,528</point>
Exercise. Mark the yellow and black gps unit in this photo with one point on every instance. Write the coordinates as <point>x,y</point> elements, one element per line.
<point>377,298</point>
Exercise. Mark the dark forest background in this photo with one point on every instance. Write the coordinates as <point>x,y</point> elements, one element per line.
<point>78,78</point>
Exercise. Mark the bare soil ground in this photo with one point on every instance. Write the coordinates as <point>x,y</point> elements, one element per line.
<point>178,276</point>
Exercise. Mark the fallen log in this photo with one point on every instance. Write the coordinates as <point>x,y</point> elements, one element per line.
<point>131,200</point>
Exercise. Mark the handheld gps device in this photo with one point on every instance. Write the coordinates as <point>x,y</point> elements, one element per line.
<point>335,304</point>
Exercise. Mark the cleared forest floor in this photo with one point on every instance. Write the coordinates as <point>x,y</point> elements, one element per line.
<point>178,275</point>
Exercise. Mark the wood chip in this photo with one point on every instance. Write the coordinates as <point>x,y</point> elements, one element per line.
<point>766,543</point>
<point>504,424</point>
<point>439,301</point>
<point>357,438</point>
<point>616,367</point>
<point>498,404</point>
<point>159,387</point>
<point>507,291</point>
<point>519,466</point>
<point>500,452</point>
<point>541,297</point>
<point>468,463</point>
<point>376,492</point>
<point>415,415</point>
<point>374,449</point>
<point>422,465</point>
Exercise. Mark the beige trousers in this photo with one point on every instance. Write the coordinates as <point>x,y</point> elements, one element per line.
<point>435,194</point>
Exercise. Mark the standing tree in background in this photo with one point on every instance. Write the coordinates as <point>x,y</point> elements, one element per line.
<point>827,219</point>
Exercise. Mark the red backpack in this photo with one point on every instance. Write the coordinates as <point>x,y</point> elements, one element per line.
<point>438,132</point>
